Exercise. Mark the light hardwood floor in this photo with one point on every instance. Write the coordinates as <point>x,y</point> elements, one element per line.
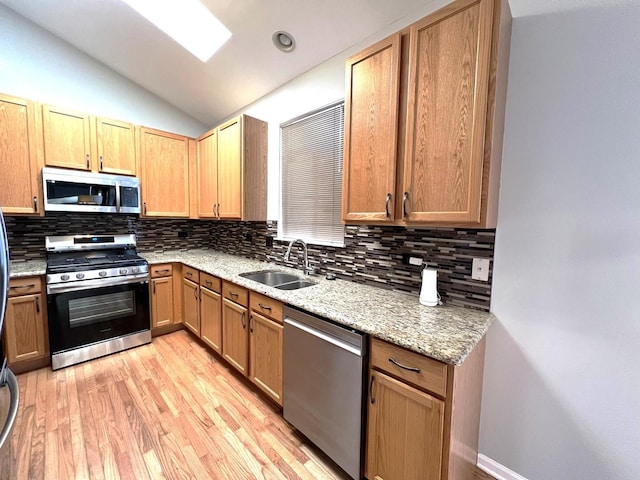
<point>166,410</point>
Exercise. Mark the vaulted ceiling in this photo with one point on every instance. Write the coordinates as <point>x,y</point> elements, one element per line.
<point>248,66</point>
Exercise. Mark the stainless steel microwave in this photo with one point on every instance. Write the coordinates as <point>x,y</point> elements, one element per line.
<point>74,191</point>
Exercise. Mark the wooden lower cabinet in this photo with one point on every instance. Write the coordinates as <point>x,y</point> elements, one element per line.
<point>25,330</point>
<point>235,344</point>
<point>211,318</point>
<point>161,302</point>
<point>405,432</point>
<point>265,355</point>
<point>191,305</point>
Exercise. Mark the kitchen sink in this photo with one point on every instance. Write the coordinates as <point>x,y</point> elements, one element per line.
<point>277,279</point>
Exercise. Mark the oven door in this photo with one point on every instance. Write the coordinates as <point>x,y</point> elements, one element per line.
<point>78,318</point>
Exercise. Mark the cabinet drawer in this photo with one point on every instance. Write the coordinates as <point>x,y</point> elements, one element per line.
<point>266,306</point>
<point>164,270</point>
<point>430,375</point>
<point>191,274</point>
<point>24,286</point>
<point>235,293</point>
<point>210,282</point>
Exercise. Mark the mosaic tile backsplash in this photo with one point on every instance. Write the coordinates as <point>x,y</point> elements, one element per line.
<point>372,254</point>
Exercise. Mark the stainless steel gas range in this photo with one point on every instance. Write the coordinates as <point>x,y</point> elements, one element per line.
<point>97,297</point>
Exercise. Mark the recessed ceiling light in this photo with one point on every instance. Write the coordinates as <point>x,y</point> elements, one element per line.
<point>188,22</point>
<point>283,41</point>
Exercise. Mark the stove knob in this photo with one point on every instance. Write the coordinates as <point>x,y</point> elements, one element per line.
<point>64,277</point>
<point>123,271</point>
<point>79,276</point>
<point>135,270</point>
<point>102,273</point>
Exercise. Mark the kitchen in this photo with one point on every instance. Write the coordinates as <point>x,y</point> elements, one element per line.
<point>541,354</point>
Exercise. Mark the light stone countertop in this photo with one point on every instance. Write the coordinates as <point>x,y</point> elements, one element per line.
<point>444,333</point>
<point>29,268</point>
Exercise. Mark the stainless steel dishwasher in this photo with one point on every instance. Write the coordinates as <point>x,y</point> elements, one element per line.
<point>323,390</point>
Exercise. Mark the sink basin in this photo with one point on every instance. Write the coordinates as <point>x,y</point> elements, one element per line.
<point>277,279</point>
<point>295,285</point>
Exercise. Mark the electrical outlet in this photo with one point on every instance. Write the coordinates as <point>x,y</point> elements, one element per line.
<point>269,242</point>
<point>480,269</point>
<point>409,259</point>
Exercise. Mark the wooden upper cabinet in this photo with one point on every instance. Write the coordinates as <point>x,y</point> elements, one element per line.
<point>230,188</point>
<point>447,108</point>
<point>232,171</point>
<point>164,168</point>
<point>20,156</point>
<point>67,138</point>
<point>116,147</point>
<point>448,120</point>
<point>371,130</point>
<point>208,174</point>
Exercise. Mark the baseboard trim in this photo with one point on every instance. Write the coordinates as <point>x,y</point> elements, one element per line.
<point>496,470</point>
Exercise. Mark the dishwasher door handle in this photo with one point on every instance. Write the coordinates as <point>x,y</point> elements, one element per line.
<point>327,338</point>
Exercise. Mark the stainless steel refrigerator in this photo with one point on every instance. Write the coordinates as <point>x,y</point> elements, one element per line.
<point>9,396</point>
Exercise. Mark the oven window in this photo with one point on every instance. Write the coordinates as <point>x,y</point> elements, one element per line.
<point>101,308</point>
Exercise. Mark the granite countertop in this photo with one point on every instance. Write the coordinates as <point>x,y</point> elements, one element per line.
<point>27,269</point>
<point>445,333</point>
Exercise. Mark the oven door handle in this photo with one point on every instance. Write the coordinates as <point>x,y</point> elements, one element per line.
<point>97,283</point>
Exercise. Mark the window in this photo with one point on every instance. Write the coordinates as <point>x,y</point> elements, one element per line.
<point>311,177</point>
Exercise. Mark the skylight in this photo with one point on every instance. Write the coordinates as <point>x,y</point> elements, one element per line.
<point>188,22</point>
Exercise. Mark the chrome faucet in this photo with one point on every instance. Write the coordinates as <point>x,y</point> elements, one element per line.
<point>307,267</point>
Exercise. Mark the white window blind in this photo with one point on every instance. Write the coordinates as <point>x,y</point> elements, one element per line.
<point>311,169</point>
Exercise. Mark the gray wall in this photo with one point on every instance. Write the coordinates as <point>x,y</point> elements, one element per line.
<point>37,65</point>
<point>562,387</point>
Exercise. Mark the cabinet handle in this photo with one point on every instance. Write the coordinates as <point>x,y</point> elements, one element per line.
<point>218,211</point>
<point>154,288</point>
<point>100,162</point>
<point>88,163</point>
<point>166,270</point>
<point>37,304</point>
<point>214,210</point>
<point>244,324</point>
<point>195,293</point>
<point>35,204</point>
<point>233,294</point>
<point>386,205</point>
<point>264,307</point>
<point>189,274</point>
<point>144,207</point>
<point>405,197</point>
<point>16,287</point>
<point>251,323</point>
<point>398,364</point>
<point>373,400</point>
<point>208,282</point>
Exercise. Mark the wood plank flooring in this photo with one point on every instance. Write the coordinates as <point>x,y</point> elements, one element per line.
<point>166,410</point>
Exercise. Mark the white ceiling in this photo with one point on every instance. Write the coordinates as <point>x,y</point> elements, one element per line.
<point>248,66</point>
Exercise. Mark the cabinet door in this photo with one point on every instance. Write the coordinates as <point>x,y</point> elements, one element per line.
<point>405,432</point>
<point>235,344</point>
<point>164,172</point>
<point>447,105</point>
<point>19,159</point>
<point>208,175</point>
<point>67,141</point>
<point>116,147</point>
<point>191,306</point>
<point>371,130</point>
<point>24,331</point>
<point>265,350</point>
<point>161,301</point>
<point>211,318</point>
<point>230,169</point>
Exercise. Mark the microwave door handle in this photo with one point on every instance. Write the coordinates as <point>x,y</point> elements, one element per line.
<point>118,197</point>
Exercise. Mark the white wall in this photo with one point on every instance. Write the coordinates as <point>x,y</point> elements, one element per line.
<point>562,386</point>
<point>320,86</point>
<point>37,65</point>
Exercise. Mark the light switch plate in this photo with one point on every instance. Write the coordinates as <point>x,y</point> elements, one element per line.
<point>480,269</point>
